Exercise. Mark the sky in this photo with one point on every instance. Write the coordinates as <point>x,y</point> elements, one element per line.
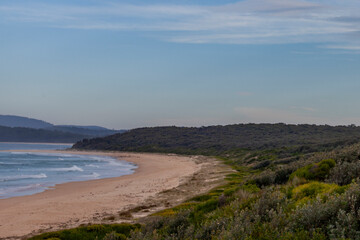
<point>136,63</point>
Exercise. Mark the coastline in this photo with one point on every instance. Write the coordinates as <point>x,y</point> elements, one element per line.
<point>72,204</point>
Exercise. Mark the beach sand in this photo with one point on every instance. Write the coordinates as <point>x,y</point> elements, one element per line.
<point>160,181</point>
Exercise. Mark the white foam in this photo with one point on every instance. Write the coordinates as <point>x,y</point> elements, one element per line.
<point>55,170</point>
<point>11,163</point>
<point>19,177</point>
<point>111,161</point>
<point>93,175</point>
<point>20,153</point>
<point>12,190</point>
<point>69,169</point>
<point>60,155</point>
<point>92,165</point>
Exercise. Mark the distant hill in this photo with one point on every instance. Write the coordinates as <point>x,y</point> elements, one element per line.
<point>17,121</point>
<point>217,140</point>
<point>23,130</point>
<point>19,134</point>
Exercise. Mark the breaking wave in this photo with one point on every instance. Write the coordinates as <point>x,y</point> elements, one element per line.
<point>20,177</point>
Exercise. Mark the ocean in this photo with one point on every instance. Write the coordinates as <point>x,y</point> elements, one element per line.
<point>25,173</point>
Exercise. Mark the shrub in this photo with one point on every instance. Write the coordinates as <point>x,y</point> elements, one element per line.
<point>210,229</point>
<point>95,228</point>
<point>344,173</point>
<point>264,179</point>
<point>316,171</point>
<point>311,190</point>
<point>249,187</point>
<point>207,206</point>
<point>114,236</point>
<point>201,198</point>
<point>279,175</point>
<point>314,215</point>
<point>268,203</point>
<point>338,215</point>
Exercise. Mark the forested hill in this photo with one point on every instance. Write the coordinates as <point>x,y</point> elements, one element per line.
<point>220,139</point>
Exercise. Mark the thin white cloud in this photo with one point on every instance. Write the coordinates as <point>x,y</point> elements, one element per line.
<point>293,115</point>
<point>270,115</point>
<point>344,47</point>
<point>335,23</point>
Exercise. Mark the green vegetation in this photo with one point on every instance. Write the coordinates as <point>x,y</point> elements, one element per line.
<point>246,208</point>
<point>315,171</point>
<point>303,185</point>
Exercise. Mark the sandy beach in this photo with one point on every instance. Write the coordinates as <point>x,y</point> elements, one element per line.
<point>160,181</point>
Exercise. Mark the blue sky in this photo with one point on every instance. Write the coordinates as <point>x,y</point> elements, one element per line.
<point>126,64</point>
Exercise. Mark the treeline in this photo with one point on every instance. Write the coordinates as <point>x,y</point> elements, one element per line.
<point>219,140</point>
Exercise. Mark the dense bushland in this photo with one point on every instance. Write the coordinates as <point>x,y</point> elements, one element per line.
<point>220,140</point>
<point>310,204</point>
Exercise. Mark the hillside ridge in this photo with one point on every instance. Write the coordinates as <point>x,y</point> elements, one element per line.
<point>214,140</point>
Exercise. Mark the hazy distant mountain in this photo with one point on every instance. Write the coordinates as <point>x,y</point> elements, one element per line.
<point>16,128</point>
<point>20,134</point>
<point>17,121</point>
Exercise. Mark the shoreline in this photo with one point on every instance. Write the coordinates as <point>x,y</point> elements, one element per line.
<point>52,186</point>
<point>71,204</point>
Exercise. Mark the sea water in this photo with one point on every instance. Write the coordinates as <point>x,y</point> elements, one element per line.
<point>25,173</point>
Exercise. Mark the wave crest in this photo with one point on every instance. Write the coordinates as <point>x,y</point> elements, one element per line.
<point>69,169</point>
<point>20,177</point>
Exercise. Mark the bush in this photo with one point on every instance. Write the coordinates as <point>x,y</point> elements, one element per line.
<point>96,228</point>
<point>338,215</point>
<point>312,190</point>
<point>114,236</point>
<point>344,173</point>
<point>316,171</point>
